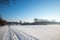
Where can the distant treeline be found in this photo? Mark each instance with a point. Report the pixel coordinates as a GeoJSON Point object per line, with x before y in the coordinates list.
{"type": "Point", "coordinates": [2, 22]}
{"type": "Point", "coordinates": [40, 23]}
{"type": "Point", "coordinates": [33, 23]}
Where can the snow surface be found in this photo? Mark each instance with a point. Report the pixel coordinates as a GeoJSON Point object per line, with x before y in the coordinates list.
{"type": "Point", "coordinates": [2, 31]}
{"type": "Point", "coordinates": [42, 32]}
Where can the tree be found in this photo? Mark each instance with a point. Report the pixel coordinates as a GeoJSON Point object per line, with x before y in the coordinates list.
{"type": "Point", "coordinates": [4, 3]}
{"type": "Point", "coordinates": [2, 22]}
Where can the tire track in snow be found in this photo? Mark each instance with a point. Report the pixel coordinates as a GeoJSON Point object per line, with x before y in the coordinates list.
{"type": "Point", "coordinates": [23, 36]}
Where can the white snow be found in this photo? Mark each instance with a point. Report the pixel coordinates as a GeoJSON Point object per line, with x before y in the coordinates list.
{"type": "Point", "coordinates": [2, 32]}
{"type": "Point", "coordinates": [42, 32]}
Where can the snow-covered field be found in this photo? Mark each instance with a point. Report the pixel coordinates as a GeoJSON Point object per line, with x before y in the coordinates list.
{"type": "Point", "coordinates": [42, 32]}
{"type": "Point", "coordinates": [2, 31]}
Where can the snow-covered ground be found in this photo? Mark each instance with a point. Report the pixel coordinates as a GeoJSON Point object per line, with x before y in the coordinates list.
{"type": "Point", "coordinates": [2, 31]}
{"type": "Point", "coordinates": [42, 32]}
{"type": "Point", "coordinates": [9, 34]}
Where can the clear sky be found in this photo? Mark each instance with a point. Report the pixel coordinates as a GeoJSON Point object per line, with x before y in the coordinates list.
{"type": "Point", "coordinates": [27, 10]}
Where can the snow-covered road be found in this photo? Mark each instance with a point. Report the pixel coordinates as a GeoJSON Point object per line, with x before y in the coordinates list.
{"type": "Point", "coordinates": [2, 31]}
{"type": "Point", "coordinates": [13, 34]}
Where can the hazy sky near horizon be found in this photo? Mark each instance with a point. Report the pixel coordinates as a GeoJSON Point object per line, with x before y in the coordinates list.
{"type": "Point", "coordinates": [27, 10]}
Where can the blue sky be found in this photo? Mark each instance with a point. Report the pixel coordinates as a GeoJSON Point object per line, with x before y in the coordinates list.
{"type": "Point", "coordinates": [27, 10]}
